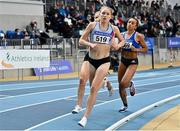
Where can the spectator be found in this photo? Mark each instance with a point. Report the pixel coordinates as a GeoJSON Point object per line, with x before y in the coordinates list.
{"type": "Point", "coordinates": [62, 11]}
{"type": "Point", "coordinates": [176, 7]}
{"type": "Point", "coordinates": [66, 30]}
{"type": "Point", "coordinates": [26, 35]}
{"type": "Point", "coordinates": [57, 21]}
{"type": "Point", "coordinates": [10, 34]}
{"type": "Point", "coordinates": [98, 4]}
{"type": "Point", "coordinates": [154, 12]}
{"type": "Point", "coordinates": [47, 23]}
{"type": "Point", "coordinates": [18, 34]}
{"type": "Point", "coordinates": [2, 35]}
{"type": "Point", "coordinates": [33, 30]}
{"type": "Point", "coordinates": [177, 33]}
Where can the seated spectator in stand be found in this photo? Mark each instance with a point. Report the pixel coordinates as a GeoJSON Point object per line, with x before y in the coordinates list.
{"type": "Point", "coordinates": [10, 34]}
{"type": "Point", "coordinates": [26, 35]}
{"type": "Point", "coordinates": [176, 7]}
{"type": "Point", "coordinates": [18, 34]}
{"type": "Point", "coordinates": [35, 33]}
{"type": "Point", "coordinates": [3, 42]}
{"type": "Point", "coordinates": [47, 23]}
{"type": "Point", "coordinates": [2, 35]}
{"type": "Point", "coordinates": [33, 30]}
{"type": "Point", "coordinates": [98, 4]}
{"type": "Point", "coordinates": [56, 22]}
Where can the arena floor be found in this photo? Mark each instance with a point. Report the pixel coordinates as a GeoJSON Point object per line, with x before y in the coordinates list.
{"type": "Point", "coordinates": [47, 105]}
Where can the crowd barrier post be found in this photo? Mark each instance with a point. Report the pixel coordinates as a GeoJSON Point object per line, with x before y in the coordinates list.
{"type": "Point", "coordinates": [3, 74]}
{"type": "Point", "coordinates": [64, 49]}
{"type": "Point", "coordinates": [18, 74]}
{"type": "Point", "coordinates": [42, 73]}
{"type": "Point", "coordinates": [171, 58]}
{"type": "Point", "coordinates": [152, 58]}
{"type": "Point", "coordinates": [22, 74]}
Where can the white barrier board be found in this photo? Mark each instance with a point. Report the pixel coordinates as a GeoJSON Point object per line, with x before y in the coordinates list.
{"type": "Point", "coordinates": [18, 59]}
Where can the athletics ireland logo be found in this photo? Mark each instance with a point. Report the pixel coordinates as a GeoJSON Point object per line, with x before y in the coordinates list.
{"type": "Point", "coordinates": [6, 64]}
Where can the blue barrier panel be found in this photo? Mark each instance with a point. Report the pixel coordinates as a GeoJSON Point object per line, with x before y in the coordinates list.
{"type": "Point", "coordinates": [150, 43]}
{"type": "Point", "coordinates": [56, 67]}
{"type": "Point", "coordinates": [173, 42]}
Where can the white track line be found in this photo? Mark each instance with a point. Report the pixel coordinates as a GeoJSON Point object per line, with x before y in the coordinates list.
{"type": "Point", "coordinates": [36, 93]}
{"type": "Point", "coordinates": [61, 83]}
{"type": "Point", "coordinates": [19, 107]}
{"type": "Point", "coordinates": [29, 94]}
{"type": "Point", "coordinates": [123, 121]}
{"type": "Point", "coordinates": [4, 96]}
{"type": "Point", "coordinates": [31, 128]}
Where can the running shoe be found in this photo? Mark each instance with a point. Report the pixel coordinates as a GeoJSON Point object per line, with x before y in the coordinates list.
{"type": "Point", "coordinates": [123, 109]}
{"type": "Point", "coordinates": [132, 89]}
{"type": "Point", "coordinates": [83, 122]}
{"type": "Point", "coordinates": [105, 82]}
{"type": "Point", "coordinates": [110, 89]}
{"type": "Point", "coordinates": [76, 109]}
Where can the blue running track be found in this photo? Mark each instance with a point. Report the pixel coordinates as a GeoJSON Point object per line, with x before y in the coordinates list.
{"type": "Point", "coordinates": [47, 105]}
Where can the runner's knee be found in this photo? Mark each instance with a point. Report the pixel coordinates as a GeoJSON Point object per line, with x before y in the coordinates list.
{"type": "Point", "coordinates": [82, 81]}
{"type": "Point", "coordinates": [93, 90]}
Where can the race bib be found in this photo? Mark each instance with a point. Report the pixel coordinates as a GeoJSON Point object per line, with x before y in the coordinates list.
{"type": "Point", "coordinates": [101, 39]}
{"type": "Point", "coordinates": [127, 45]}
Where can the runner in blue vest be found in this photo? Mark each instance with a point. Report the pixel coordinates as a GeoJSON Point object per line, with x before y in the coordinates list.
{"type": "Point", "coordinates": [134, 43]}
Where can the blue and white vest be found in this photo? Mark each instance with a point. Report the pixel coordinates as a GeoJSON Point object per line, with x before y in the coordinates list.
{"type": "Point", "coordinates": [101, 37]}
{"type": "Point", "coordinates": [130, 41]}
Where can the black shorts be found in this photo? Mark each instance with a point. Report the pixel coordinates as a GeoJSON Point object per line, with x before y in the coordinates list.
{"type": "Point", "coordinates": [97, 63]}
{"type": "Point", "coordinates": [86, 58]}
{"type": "Point", "coordinates": [128, 62]}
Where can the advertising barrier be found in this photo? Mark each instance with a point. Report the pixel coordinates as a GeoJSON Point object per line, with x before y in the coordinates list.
{"type": "Point", "coordinates": [20, 59]}
{"type": "Point", "coordinates": [150, 43]}
{"type": "Point", "coordinates": [56, 67]}
{"type": "Point", "coordinates": [174, 42]}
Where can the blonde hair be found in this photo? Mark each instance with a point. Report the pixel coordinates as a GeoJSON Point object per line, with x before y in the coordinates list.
{"type": "Point", "coordinates": [109, 8]}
